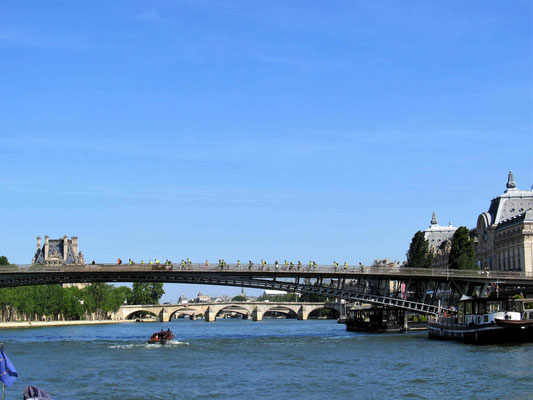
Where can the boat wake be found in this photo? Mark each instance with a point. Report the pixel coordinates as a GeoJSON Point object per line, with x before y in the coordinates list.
{"type": "Point", "coordinates": [171, 343]}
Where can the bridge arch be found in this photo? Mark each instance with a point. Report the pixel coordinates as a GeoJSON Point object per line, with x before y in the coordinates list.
{"type": "Point", "coordinates": [330, 312]}
{"type": "Point", "coordinates": [140, 313]}
{"type": "Point", "coordinates": [193, 311]}
{"type": "Point", "coordinates": [237, 308]}
{"type": "Point", "coordinates": [290, 312]}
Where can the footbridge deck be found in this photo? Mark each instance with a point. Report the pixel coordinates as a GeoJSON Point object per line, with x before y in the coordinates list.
{"type": "Point", "coordinates": [352, 283]}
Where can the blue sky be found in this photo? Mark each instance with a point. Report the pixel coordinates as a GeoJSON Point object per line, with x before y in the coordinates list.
{"type": "Point", "coordinates": [276, 130]}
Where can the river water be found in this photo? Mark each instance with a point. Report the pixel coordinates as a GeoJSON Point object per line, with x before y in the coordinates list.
{"type": "Point", "coordinates": [271, 359]}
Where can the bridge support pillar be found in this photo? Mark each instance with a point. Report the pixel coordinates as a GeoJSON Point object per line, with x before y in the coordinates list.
{"type": "Point", "coordinates": [302, 314]}
{"type": "Point", "coordinates": [163, 316]}
{"type": "Point", "coordinates": [210, 315]}
{"type": "Point", "coordinates": [257, 315]}
{"type": "Point", "coordinates": [192, 317]}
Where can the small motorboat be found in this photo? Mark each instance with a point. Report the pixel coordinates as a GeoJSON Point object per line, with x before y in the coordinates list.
{"type": "Point", "coordinates": [161, 337]}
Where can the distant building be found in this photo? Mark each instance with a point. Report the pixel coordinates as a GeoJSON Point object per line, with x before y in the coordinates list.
{"type": "Point", "coordinates": [384, 263]}
{"type": "Point", "coordinates": [504, 234]}
{"type": "Point", "coordinates": [202, 298]}
{"type": "Point", "coordinates": [440, 241]}
{"type": "Point", "coordinates": [268, 293]}
{"type": "Point", "coordinates": [182, 299]}
{"type": "Point", "coordinates": [58, 251]}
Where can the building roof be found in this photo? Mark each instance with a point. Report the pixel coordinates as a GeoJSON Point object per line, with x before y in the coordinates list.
{"type": "Point", "coordinates": [274, 292]}
{"type": "Point", "coordinates": [512, 203]}
{"type": "Point", "coordinates": [436, 234]}
{"type": "Point", "coordinates": [56, 250]}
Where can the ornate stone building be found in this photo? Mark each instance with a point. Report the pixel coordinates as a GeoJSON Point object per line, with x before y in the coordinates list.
{"type": "Point", "coordinates": [58, 251]}
{"type": "Point", "coordinates": [504, 234]}
{"type": "Point", "coordinates": [440, 241]}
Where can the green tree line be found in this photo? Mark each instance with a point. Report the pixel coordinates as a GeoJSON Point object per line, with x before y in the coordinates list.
{"type": "Point", "coordinates": [54, 302]}
{"type": "Point", "coordinates": [462, 254]}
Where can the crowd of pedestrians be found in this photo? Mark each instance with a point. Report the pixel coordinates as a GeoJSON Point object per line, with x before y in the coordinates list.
{"type": "Point", "coordinates": [186, 264]}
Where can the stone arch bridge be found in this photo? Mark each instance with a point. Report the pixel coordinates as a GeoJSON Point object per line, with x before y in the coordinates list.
{"type": "Point", "coordinates": [166, 312]}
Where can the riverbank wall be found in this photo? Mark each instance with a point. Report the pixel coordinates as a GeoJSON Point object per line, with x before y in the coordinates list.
{"type": "Point", "coordinates": [39, 324]}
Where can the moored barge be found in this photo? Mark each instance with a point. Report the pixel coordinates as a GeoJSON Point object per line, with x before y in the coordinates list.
{"type": "Point", "coordinates": [378, 319]}
{"type": "Point", "coordinates": [486, 320]}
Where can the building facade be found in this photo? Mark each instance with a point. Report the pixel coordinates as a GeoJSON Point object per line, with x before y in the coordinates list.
{"type": "Point", "coordinates": [504, 234]}
{"type": "Point", "coordinates": [58, 251]}
{"type": "Point", "coordinates": [440, 241]}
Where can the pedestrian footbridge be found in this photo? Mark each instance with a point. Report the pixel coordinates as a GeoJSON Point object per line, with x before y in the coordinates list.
{"type": "Point", "coordinates": [418, 290]}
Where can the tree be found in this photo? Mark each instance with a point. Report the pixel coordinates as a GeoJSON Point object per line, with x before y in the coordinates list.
{"type": "Point", "coordinates": [462, 253]}
{"type": "Point", "coordinates": [3, 260]}
{"type": "Point", "coordinates": [146, 293]}
{"type": "Point", "coordinates": [239, 298]}
{"type": "Point", "coordinates": [419, 255]}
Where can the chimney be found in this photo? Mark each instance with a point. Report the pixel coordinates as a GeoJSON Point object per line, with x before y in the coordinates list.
{"type": "Point", "coordinates": [46, 246]}
{"type": "Point", "coordinates": [38, 243]}
{"type": "Point", "coordinates": [65, 247]}
{"type": "Point", "coordinates": [75, 245]}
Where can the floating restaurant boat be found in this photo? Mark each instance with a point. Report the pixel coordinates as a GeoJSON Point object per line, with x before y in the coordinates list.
{"type": "Point", "coordinates": [161, 337]}
{"type": "Point", "coordinates": [486, 320]}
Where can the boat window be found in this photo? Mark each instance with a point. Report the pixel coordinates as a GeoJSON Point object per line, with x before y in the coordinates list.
{"type": "Point", "coordinates": [468, 308]}
{"type": "Point", "coordinates": [486, 318]}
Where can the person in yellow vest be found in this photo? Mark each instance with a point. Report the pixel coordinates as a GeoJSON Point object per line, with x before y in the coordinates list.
{"type": "Point", "coordinates": [151, 262]}
{"type": "Point", "coordinates": [142, 262]}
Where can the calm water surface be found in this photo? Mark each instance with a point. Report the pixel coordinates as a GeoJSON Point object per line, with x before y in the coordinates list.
{"type": "Point", "coordinates": [243, 359]}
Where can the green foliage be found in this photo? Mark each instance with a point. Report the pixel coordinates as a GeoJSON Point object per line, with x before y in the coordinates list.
{"type": "Point", "coordinates": [462, 254]}
{"type": "Point", "coordinates": [419, 255]}
{"type": "Point", "coordinates": [146, 293]}
{"type": "Point", "coordinates": [312, 298]}
{"type": "Point", "coordinates": [239, 298]}
{"type": "Point", "coordinates": [418, 318]}
{"type": "Point", "coordinates": [57, 302]}
{"type": "Point", "coordinates": [3, 260]}
{"type": "Point", "coordinates": [279, 298]}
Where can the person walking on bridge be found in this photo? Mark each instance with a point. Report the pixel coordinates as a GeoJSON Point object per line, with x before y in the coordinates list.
{"type": "Point", "coordinates": [119, 261]}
